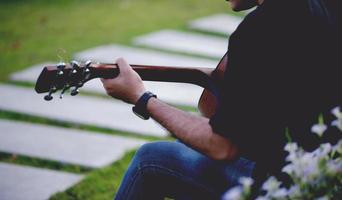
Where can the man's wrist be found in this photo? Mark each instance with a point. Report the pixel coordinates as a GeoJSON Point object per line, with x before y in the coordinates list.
{"type": "Point", "coordinates": [140, 107]}
{"type": "Point", "coordinates": [137, 96]}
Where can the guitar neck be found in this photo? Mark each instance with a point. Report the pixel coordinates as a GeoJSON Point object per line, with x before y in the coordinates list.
{"type": "Point", "coordinates": [53, 78]}
{"type": "Point", "coordinates": [193, 75]}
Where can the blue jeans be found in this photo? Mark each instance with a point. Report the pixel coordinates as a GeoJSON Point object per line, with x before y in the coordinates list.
{"type": "Point", "coordinates": [171, 169]}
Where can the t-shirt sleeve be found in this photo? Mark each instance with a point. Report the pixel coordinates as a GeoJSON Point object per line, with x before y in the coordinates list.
{"type": "Point", "coordinates": [218, 123]}
{"type": "Point", "coordinates": [253, 124]}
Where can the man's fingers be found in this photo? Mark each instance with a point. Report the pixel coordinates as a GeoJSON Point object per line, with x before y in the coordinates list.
{"type": "Point", "coordinates": [124, 67]}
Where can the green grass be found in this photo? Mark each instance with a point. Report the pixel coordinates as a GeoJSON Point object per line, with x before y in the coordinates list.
{"type": "Point", "coordinates": [41, 163]}
{"type": "Point", "coordinates": [98, 185]}
{"type": "Point", "coordinates": [40, 120]}
{"type": "Point", "coordinates": [41, 30]}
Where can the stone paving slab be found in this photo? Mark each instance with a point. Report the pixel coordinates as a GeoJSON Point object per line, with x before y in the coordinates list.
{"type": "Point", "coordinates": [219, 23]}
{"type": "Point", "coordinates": [109, 53]}
{"type": "Point", "coordinates": [83, 148]}
{"type": "Point", "coordinates": [174, 93]}
{"type": "Point", "coordinates": [30, 74]}
{"type": "Point", "coordinates": [107, 113]}
{"type": "Point", "coordinates": [28, 183]}
{"type": "Point", "coordinates": [246, 12]}
{"type": "Point", "coordinates": [190, 43]}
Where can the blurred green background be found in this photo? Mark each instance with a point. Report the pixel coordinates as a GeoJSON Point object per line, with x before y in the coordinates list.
{"type": "Point", "coordinates": [35, 31]}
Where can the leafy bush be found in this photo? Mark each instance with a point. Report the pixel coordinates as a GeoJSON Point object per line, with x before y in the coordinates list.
{"type": "Point", "coordinates": [315, 175]}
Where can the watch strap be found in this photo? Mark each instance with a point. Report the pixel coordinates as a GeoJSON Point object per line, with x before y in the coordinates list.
{"type": "Point", "coordinates": [140, 108]}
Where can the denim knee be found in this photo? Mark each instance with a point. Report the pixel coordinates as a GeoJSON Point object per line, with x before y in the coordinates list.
{"type": "Point", "coordinates": [148, 151]}
{"type": "Point", "coordinates": [175, 156]}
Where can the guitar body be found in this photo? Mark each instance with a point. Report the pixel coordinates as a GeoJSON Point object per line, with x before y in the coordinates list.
{"type": "Point", "coordinates": [208, 101]}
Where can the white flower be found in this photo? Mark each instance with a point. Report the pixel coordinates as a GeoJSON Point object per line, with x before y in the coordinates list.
{"type": "Point", "coordinates": [294, 152]}
{"type": "Point", "coordinates": [289, 169]}
{"type": "Point", "coordinates": [233, 194]}
{"type": "Point", "coordinates": [337, 123]}
{"type": "Point", "coordinates": [325, 149]}
{"type": "Point", "coordinates": [292, 157]}
{"type": "Point", "coordinates": [246, 182]}
{"type": "Point", "coordinates": [307, 169]}
{"type": "Point", "coordinates": [294, 192]}
{"type": "Point", "coordinates": [291, 147]}
{"type": "Point", "coordinates": [334, 167]}
{"type": "Point", "coordinates": [337, 112]}
{"type": "Point", "coordinates": [322, 151]}
{"type": "Point", "coordinates": [271, 184]}
{"type": "Point", "coordinates": [280, 193]}
{"type": "Point", "coordinates": [319, 129]}
{"type": "Point", "coordinates": [305, 165]}
{"type": "Point", "coordinates": [310, 172]}
{"type": "Point", "coordinates": [337, 147]}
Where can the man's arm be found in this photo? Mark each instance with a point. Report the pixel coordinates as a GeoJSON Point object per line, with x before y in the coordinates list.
{"type": "Point", "coordinates": [193, 130]}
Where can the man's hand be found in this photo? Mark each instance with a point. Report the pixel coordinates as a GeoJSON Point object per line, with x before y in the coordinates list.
{"type": "Point", "coordinates": [191, 129]}
{"type": "Point", "coordinates": [127, 87]}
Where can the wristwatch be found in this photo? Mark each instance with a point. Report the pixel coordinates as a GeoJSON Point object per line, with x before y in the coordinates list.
{"type": "Point", "coordinates": [140, 107]}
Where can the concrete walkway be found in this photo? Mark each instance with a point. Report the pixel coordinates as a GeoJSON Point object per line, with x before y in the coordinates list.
{"type": "Point", "coordinates": [106, 113]}
{"type": "Point", "coordinates": [29, 183]}
{"type": "Point", "coordinates": [88, 149]}
{"type": "Point", "coordinates": [185, 42]}
{"type": "Point", "coordinates": [220, 23]}
{"type": "Point", "coordinates": [109, 53]}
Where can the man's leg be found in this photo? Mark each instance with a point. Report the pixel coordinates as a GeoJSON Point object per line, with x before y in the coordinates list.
{"type": "Point", "coordinates": [171, 169]}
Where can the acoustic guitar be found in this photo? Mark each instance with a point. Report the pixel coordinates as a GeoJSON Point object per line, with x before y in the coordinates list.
{"type": "Point", "coordinates": [74, 75]}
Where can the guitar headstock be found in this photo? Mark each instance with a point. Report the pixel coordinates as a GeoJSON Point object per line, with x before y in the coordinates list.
{"type": "Point", "coordinates": [70, 76]}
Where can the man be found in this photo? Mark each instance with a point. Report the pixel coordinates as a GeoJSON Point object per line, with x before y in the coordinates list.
{"type": "Point", "coordinates": [278, 79]}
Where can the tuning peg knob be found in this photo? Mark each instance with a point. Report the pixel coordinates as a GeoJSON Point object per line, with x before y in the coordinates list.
{"type": "Point", "coordinates": [87, 63]}
{"type": "Point", "coordinates": [63, 91]}
{"type": "Point", "coordinates": [48, 97]}
{"type": "Point", "coordinates": [75, 64]}
{"type": "Point", "coordinates": [86, 70]}
{"type": "Point", "coordinates": [74, 92]}
{"type": "Point", "coordinates": [60, 67]}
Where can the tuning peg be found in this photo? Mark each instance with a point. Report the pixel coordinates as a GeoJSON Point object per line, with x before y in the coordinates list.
{"type": "Point", "coordinates": [49, 96]}
{"type": "Point", "coordinates": [74, 92]}
{"type": "Point", "coordinates": [60, 67]}
{"type": "Point", "coordinates": [63, 91]}
{"type": "Point", "coordinates": [75, 66]}
{"type": "Point", "coordinates": [87, 63]}
{"type": "Point", "coordinates": [86, 67]}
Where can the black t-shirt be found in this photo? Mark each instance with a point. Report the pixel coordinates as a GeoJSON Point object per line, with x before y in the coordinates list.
{"type": "Point", "coordinates": [282, 73]}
